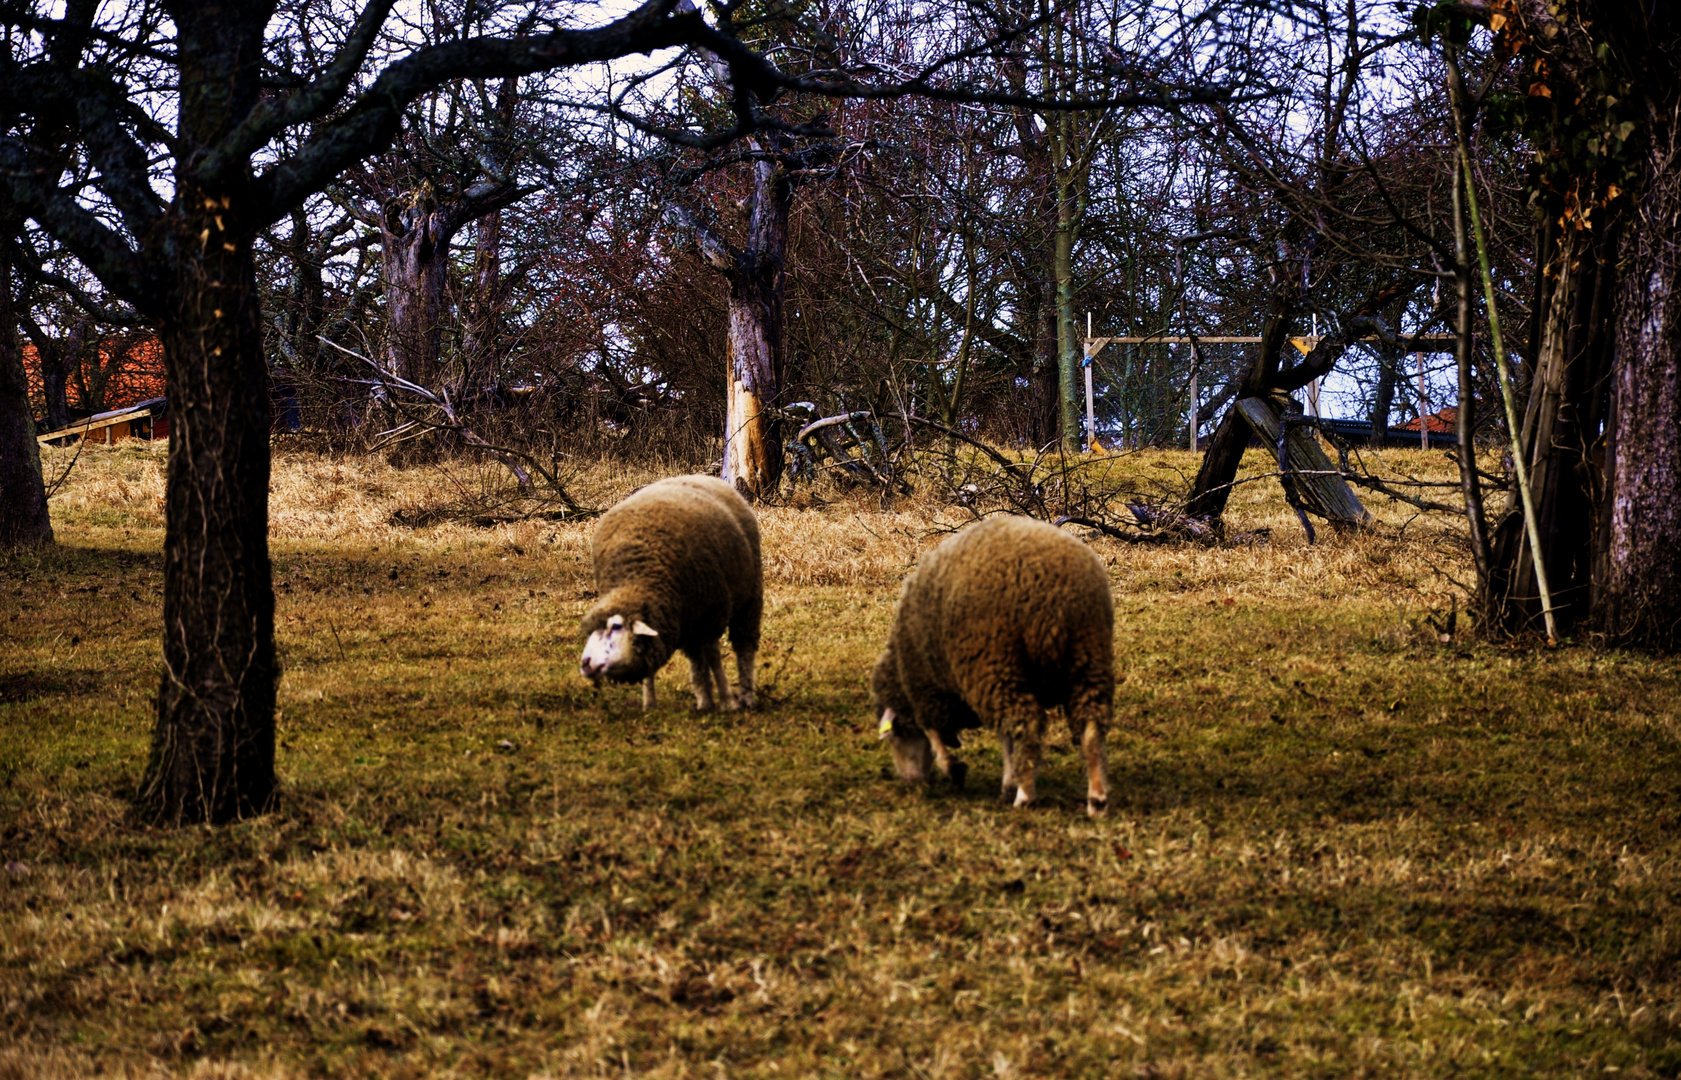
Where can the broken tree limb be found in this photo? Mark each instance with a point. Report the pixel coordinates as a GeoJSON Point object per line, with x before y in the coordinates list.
{"type": "Point", "coordinates": [1317, 483]}
{"type": "Point", "coordinates": [1116, 533]}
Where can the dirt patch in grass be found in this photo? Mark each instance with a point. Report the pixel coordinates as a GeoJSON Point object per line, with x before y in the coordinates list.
{"type": "Point", "coordinates": [1337, 846]}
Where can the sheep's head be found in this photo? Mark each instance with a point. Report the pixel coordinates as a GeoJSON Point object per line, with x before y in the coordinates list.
{"type": "Point", "coordinates": [913, 756]}
{"type": "Point", "coordinates": [622, 649]}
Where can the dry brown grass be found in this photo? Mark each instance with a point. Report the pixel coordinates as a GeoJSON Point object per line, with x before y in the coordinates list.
{"type": "Point", "coordinates": [1338, 847]}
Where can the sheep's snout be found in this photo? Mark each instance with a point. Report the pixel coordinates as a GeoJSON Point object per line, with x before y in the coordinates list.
{"type": "Point", "coordinates": [610, 651]}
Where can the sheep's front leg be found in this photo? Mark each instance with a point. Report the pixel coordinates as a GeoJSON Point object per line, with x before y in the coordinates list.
{"type": "Point", "coordinates": [746, 688]}
{"type": "Point", "coordinates": [700, 677]}
{"type": "Point", "coordinates": [950, 767]}
{"type": "Point", "coordinates": [715, 661]}
{"type": "Point", "coordinates": [934, 716]}
{"type": "Point", "coordinates": [1020, 731]}
{"type": "Point", "coordinates": [647, 693]}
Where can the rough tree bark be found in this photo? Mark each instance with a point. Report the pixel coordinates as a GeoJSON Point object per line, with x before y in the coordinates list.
{"type": "Point", "coordinates": [416, 228]}
{"type": "Point", "coordinates": [1603, 85]}
{"type": "Point", "coordinates": [213, 747]}
{"type": "Point", "coordinates": [24, 521]}
{"type": "Point", "coordinates": [753, 447]}
{"type": "Point", "coordinates": [756, 277]}
{"type": "Point", "coordinates": [1640, 595]}
{"type": "Point", "coordinates": [1561, 437]}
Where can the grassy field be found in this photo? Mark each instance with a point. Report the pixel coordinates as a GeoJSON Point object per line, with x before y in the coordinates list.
{"type": "Point", "coordinates": [1337, 845]}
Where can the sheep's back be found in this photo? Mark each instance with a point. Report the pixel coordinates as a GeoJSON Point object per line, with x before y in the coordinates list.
{"type": "Point", "coordinates": [1010, 600]}
{"type": "Point", "coordinates": [692, 540]}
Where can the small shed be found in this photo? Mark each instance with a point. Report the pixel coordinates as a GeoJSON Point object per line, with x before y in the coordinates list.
{"type": "Point", "coordinates": [144, 420]}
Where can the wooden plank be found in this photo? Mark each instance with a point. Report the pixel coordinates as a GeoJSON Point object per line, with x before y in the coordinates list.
{"type": "Point", "coordinates": [93, 425]}
{"type": "Point", "coordinates": [1097, 345]}
{"type": "Point", "coordinates": [1318, 484]}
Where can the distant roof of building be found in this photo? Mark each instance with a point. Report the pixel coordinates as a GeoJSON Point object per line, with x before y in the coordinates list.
{"type": "Point", "coordinates": [1442, 420]}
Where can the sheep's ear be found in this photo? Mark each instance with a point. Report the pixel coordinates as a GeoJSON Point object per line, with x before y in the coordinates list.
{"type": "Point", "coordinates": [643, 629]}
{"type": "Point", "coordinates": [886, 727]}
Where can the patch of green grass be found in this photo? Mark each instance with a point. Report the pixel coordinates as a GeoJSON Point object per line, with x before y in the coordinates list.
{"type": "Point", "coordinates": [1336, 846]}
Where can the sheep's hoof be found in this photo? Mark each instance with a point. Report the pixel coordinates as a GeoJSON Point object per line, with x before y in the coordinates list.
{"type": "Point", "coordinates": [747, 699]}
{"type": "Point", "coordinates": [958, 774]}
{"type": "Point", "coordinates": [1097, 807]}
{"type": "Point", "coordinates": [1009, 794]}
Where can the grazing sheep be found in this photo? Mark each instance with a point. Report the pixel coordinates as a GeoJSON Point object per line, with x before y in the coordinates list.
{"type": "Point", "coordinates": [997, 624]}
{"type": "Point", "coordinates": [676, 564]}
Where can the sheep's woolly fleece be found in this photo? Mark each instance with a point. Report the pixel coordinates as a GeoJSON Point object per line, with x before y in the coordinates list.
{"type": "Point", "coordinates": [681, 555]}
{"type": "Point", "coordinates": [1007, 618]}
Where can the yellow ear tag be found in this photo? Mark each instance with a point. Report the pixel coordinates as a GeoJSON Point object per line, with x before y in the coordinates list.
{"type": "Point", "coordinates": [886, 727]}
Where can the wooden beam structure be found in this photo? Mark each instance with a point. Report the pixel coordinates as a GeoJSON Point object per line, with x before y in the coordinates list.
{"type": "Point", "coordinates": [1095, 345]}
{"type": "Point", "coordinates": [107, 423]}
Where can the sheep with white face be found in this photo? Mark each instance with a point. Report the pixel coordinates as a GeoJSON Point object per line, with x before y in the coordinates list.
{"type": "Point", "coordinates": [677, 564]}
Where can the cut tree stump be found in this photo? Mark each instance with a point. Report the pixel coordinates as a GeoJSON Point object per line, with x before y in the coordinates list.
{"type": "Point", "coordinates": [1309, 476]}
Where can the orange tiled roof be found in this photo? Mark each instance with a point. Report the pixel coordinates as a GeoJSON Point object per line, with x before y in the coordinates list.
{"type": "Point", "coordinates": [1442, 421]}
{"type": "Point", "coordinates": [138, 376]}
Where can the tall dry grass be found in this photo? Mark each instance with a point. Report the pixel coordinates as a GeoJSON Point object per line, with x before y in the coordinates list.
{"type": "Point", "coordinates": [821, 536]}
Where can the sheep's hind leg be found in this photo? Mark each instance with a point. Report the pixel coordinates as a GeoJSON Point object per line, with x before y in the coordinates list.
{"type": "Point", "coordinates": [1087, 721]}
{"type": "Point", "coordinates": [700, 677]}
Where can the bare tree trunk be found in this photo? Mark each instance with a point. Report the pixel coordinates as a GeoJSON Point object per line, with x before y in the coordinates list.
{"type": "Point", "coordinates": [1067, 332]}
{"type": "Point", "coordinates": [752, 446]}
{"type": "Point", "coordinates": [481, 323]}
{"type": "Point", "coordinates": [414, 264]}
{"type": "Point", "coordinates": [1383, 398]}
{"type": "Point", "coordinates": [307, 304]}
{"type": "Point", "coordinates": [1470, 485]}
{"type": "Point", "coordinates": [1640, 596]}
{"type": "Point", "coordinates": [1044, 397]}
{"type": "Point", "coordinates": [212, 753]}
{"type": "Point", "coordinates": [56, 358]}
{"type": "Point", "coordinates": [1267, 376]}
{"type": "Point", "coordinates": [24, 521]}
{"type": "Point", "coordinates": [416, 228]}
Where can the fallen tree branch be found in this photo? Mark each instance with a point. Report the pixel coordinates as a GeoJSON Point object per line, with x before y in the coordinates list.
{"type": "Point", "coordinates": [1116, 533]}
{"type": "Point", "coordinates": [1372, 483]}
